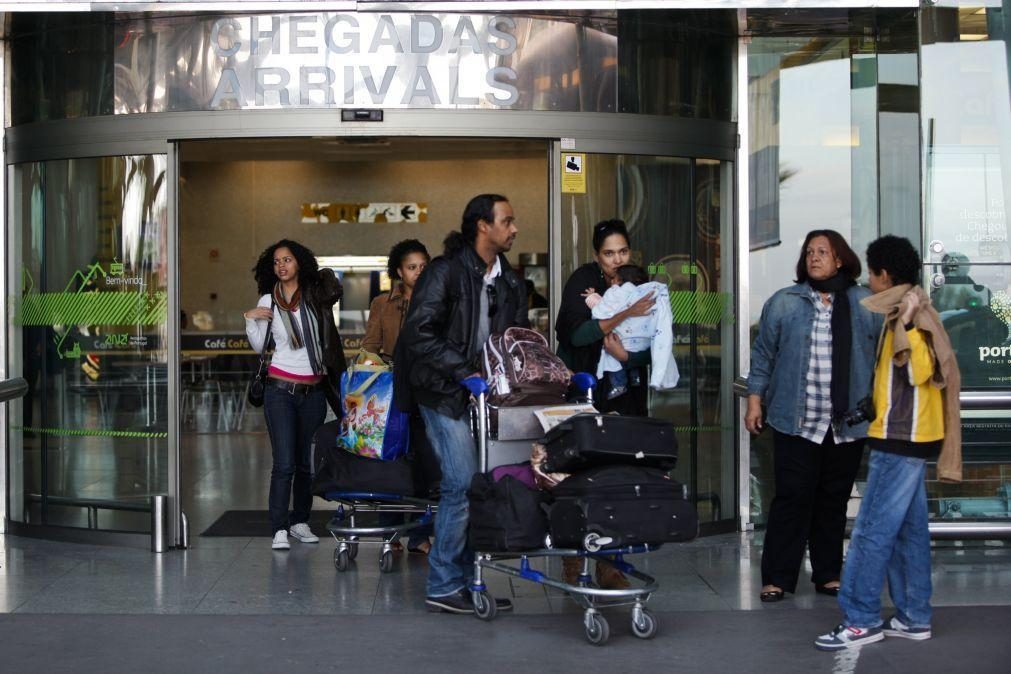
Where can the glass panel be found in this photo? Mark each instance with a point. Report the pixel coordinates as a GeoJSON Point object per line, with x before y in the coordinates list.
{"type": "Point", "coordinates": [87, 261]}
{"type": "Point", "coordinates": [975, 304]}
{"type": "Point", "coordinates": [967, 131]}
{"type": "Point", "coordinates": [677, 64]}
{"type": "Point", "coordinates": [676, 211]}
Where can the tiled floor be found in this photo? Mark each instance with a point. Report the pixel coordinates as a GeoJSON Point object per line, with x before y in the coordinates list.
{"type": "Point", "coordinates": [244, 576]}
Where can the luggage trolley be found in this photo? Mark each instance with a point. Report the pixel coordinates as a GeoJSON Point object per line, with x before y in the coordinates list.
{"type": "Point", "coordinates": [504, 448]}
{"type": "Point", "coordinates": [348, 535]}
{"type": "Point", "coordinates": [346, 529]}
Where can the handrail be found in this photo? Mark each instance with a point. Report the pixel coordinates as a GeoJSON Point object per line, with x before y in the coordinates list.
{"type": "Point", "coordinates": [12, 388]}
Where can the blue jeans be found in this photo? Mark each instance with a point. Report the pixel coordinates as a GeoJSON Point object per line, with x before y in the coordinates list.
{"type": "Point", "coordinates": [291, 422]}
{"type": "Point", "coordinates": [890, 538]}
{"type": "Point", "coordinates": [450, 563]}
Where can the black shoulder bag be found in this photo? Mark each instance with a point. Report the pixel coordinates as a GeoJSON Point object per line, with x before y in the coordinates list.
{"type": "Point", "coordinates": [254, 394]}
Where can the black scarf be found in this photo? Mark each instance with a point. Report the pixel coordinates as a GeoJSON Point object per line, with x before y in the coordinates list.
{"type": "Point", "coordinates": [842, 339]}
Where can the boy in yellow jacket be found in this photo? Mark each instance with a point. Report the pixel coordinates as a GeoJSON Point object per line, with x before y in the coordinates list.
{"type": "Point", "coordinates": [915, 419]}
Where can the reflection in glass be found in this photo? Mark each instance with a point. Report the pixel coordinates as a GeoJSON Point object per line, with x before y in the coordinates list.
{"type": "Point", "coordinates": [677, 214]}
{"type": "Point", "coordinates": [88, 262]}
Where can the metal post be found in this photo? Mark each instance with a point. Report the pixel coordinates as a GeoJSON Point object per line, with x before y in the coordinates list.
{"type": "Point", "coordinates": [158, 532]}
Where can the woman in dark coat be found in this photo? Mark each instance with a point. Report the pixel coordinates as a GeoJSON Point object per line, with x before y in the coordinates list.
{"type": "Point", "coordinates": [580, 336]}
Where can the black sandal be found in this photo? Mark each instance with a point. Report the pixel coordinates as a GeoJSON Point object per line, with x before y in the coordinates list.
{"type": "Point", "coordinates": [771, 596]}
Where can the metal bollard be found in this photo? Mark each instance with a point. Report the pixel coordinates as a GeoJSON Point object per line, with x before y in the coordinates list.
{"type": "Point", "coordinates": [159, 532]}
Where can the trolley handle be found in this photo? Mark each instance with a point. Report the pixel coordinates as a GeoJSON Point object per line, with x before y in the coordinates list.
{"type": "Point", "coordinates": [478, 388]}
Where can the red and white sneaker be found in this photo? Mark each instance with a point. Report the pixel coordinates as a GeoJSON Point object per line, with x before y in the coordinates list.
{"type": "Point", "coordinates": [843, 637]}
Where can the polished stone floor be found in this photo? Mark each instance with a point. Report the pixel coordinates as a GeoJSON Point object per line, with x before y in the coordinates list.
{"type": "Point", "coordinates": [232, 604]}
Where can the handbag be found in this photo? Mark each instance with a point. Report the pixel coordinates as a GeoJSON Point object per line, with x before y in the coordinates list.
{"type": "Point", "coordinates": [254, 393]}
{"type": "Point", "coordinates": [371, 424]}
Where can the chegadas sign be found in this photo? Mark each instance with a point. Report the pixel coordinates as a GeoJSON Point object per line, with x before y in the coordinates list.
{"type": "Point", "coordinates": [387, 60]}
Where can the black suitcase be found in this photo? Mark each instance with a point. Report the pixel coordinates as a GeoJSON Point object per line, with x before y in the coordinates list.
{"type": "Point", "coordinates": [336, 469]}
{"type": "Point", "coordinates": [627, 504]}
{"type": "Point", "coordinates": [586, 440]}
{"type": "Point", "coordinates": [505, 515]}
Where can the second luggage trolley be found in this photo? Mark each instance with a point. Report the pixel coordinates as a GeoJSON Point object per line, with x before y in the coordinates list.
{"type": "Point", "coordinates": [349, 534]}
{"type": "Point", "coordinates": [355, 497]}
{"type": "Point", "coordinates": [516, 429]}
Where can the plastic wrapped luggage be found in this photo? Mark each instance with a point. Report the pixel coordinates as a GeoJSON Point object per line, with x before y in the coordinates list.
{"type": "Point", "coordinates": [336, 469]}
{"type": "Point", "coordinates": [505, 515]}
{"type": "Point", "coordinates": [587, 440]}
{"type": "Point", "coordinates": [621, 506]}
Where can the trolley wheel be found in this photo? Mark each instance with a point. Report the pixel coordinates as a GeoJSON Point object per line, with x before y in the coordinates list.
{"type": "Point", "coordinates": [646, 626]}
{"type": "Point", "coordinates": [386, 562]}
{"type": "Point", "coordinates": [352, 550]}
{"type": "Point", "coordinates": [341, 560]}
{"type": "Point", "coordinates": [597, 629]}
{"type": "Point", "coordinates": [484, 605]}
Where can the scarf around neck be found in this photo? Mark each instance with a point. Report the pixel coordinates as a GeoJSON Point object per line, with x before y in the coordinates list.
{"type": "Point", "coordinates": [842, 338]}
{"type": "Point", "coordinates": [309, 326]}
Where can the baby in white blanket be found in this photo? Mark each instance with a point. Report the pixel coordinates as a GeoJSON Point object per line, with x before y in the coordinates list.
{"type": "Point", "coordinates": [640, 333]}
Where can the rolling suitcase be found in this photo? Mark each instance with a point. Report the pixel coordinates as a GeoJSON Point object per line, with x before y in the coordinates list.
{"type": "Point", "coordinates": [587, 440]}
{"type": "Point", "coordinates": [620, 506]}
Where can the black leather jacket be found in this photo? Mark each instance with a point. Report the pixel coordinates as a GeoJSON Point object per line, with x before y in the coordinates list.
{"type": "Point", "coordinates": [438, 346]}
{"type": "Point", "coordinates": [321, 297]}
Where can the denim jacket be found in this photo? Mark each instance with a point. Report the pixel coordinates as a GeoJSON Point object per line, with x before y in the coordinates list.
{"type": "Point", "coordinates": [782, 352]}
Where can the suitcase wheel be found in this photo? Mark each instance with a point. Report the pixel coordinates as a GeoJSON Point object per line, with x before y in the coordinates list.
{"type": "Point", "coordinates": [597, 629]}
{"type": "Point", "coordinates": [644, 623]}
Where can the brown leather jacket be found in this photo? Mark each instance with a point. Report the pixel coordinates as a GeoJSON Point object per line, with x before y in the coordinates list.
{"type": "Point", "coordinates": [386, 317]}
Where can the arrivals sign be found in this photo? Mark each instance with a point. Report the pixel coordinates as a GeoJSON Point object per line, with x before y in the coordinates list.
{"type": "Point", "coordinates": [384, 60]}
{"type": "Point", "coordinates": [344, 60]}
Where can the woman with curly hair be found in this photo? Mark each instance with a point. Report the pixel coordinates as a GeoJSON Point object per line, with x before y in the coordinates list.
{"type": "Point", "coordinates": [295, 312]}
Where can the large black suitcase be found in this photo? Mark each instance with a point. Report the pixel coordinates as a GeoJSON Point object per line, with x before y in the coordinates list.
{"type": "Point", "coordinates": [505, 515]}
{"type": "Point", "coordinates": [586, 440]}
{"type": "Point", "coordinates": [627, 504]}
{"type": "Point", "coordinates": [336, 469]}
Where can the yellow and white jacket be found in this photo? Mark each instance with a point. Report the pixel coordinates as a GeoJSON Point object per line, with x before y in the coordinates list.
{"type": "Point", "coordinates": [908, 406]}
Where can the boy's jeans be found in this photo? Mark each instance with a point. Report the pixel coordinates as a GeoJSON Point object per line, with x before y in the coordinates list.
{"type": "Point", "coordinates": [890, 537]}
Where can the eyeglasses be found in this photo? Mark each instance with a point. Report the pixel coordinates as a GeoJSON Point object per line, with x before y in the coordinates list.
{"type": "Point", "coordinates": [492, 301]}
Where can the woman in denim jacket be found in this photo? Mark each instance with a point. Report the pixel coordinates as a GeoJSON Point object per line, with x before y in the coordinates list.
{"type": "Point", "coordinates": [811, 365]}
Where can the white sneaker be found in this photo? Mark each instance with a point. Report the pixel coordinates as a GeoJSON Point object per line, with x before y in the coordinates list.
{"type": "Point", "coordinates": [280, 541]}
{"type": "Point", "coordinates": [303, 534]}
{"type": "Point", "coordinates": [843, 637]}
{"type": "Point", "coordinates": [897, 628]}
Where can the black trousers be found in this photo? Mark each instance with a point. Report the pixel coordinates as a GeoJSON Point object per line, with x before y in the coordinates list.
{"type": "Point", "coordinates": [813, 485]}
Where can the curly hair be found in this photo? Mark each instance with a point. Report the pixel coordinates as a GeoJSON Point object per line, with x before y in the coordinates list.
{"type": "Point", "coordinates": [897, 256]}
{"type": "Point", "coordinates": [263, 271]}
{"type": "Point", "coordinates": [399, 252]}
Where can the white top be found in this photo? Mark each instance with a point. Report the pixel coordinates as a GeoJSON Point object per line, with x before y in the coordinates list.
{"type": "Point", "coordinates": [292, 361]}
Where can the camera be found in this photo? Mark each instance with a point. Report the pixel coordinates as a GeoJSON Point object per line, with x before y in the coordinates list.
{"type": "Point", "coordinates": [864, 411]}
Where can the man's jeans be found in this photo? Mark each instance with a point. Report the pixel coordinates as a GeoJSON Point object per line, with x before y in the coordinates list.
{"type": "Point", "coordinates": [291, 422]}
{"type": "Point", "coordinates": [890, 537]}
{"type": "Point", "coordinates": [450, 563]}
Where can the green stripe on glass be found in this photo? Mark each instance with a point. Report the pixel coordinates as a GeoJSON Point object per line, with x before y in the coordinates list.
{"type": "Point", "coordinates": [97, 432]}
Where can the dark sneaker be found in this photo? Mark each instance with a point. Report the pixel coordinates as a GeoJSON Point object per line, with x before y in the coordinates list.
{"type": "Point", "coordinates": [461, 602]}
{"type": "Point", "coordinates": [897, 628]}
{"type": "Point", "coordinates": [843, 637]}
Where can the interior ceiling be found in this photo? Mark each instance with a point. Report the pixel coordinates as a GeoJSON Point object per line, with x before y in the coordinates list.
{"type": "Point", "coordinates": [360, 149]}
